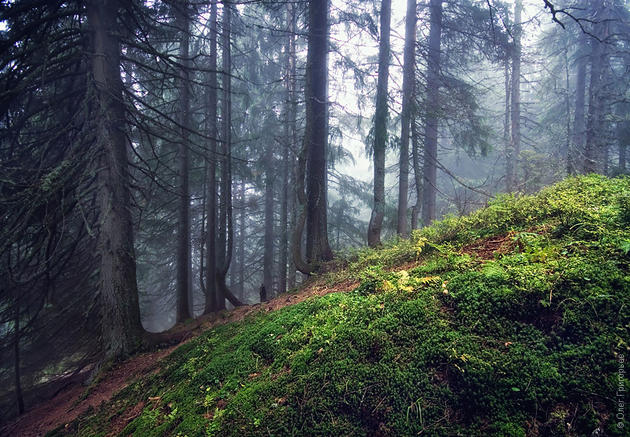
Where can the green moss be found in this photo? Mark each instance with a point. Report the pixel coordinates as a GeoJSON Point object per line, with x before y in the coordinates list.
{"type": "Point", "coordinates": [518, 345]}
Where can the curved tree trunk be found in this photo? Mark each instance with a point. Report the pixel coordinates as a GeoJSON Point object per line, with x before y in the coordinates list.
{"type": "Point", "coordinates": [227, 229]}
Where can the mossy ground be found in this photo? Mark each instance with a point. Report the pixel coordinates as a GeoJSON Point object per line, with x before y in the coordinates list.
{"type": "Point", "coordinates": [529, 342]}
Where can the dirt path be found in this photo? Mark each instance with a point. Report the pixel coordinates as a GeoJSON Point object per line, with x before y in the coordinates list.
{"type": "Point", "coordinates": [75, 399]}
{"type": "Point", "coordinates": [68, 404]}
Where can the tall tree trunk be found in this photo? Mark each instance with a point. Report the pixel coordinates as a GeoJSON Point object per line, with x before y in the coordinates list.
{"type": "Point", "coordinates": [226, 233]}
{"type": "Point", "coordinates": [292, 205]}
{"type": "Point", "coordinates": [623, 127]}
{"type": "Point", "coordinates": [241, 243]}
{"type": "Point", "coordinates": [284, 211]}
{"type": "Point", "coordinates": [417, 172]}
{"type": "Point", "coordinates": [222, 158]}
{"type": "Point", "coordinates": [509, 156]}
{"type": "Point", "coordinates": [202, 234]}
{"type": "Point", "coordinates": [515, 97]}
{"type": "Point", "coordinates": [606, 96]}
{"type": "Point", "coordinates": [339, 224]}
{"type": "Point", "coordinates": [429, 183]}
{"type": "Point", "coordinates": [269, 219]}
{"type": "Point", "coordinates": [316, 138]}
{"type": "Point", "coordinates": [211, 165]}
{"type": "Point", "coordinates": [623, 147]}
{"type": "Point", "coordinates": [623, 134]}
{"type": "Point", "coordinates": [566, 150]}
{"type": "Point", "coordinates": [594, 153]}
{"type": "Point", "coordinates": [19, 397]}
{"type": "Point", "coordinates": [407, 108]}
{"type": "Point", "coordinates": [593, 127]}
{"type": "Point", "coordinates": [579, 123]}
{"type": "Point", "coordinates": [300, 219]}
{"type": "Point", "coordinates": [120, 311]}
{"type": "Point", "coordinates": [184, 298]}
{"type": "Point", "coordinates": [380, 129]}
{"type": "Point", "coordinates": [225, 146]}
{"type": "Point", "coordinates": [284, 193]}
{"type": "Point", "coordinates": [293, 146]}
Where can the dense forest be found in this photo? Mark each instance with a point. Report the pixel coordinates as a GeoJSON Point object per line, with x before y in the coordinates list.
{"type": "Point", "coordinates": [165, 161]}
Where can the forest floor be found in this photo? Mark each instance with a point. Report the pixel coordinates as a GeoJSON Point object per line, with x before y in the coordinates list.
{"type": "Point", "coordinates": [77, 398]}
{"type": "Point", "coordinates": [511, 321]}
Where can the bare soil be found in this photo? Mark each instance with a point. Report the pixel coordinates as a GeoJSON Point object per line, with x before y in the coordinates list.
{"type": "Point", "coordinates": [489, 248]}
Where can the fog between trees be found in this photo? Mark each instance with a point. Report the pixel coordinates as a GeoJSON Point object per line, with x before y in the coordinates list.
{"type": "Point", "coordinates": [162, 160]}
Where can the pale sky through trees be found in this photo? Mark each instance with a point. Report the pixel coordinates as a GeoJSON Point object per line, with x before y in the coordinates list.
{"type": "Point", "coordinates": [362, 47]}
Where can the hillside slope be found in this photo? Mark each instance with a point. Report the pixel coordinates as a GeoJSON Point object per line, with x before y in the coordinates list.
{"type": "Point", "coordinates": [511, 321]}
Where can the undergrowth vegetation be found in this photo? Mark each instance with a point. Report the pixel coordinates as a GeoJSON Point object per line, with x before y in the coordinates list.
{"type": "Point", "coordinates": [442, 337]}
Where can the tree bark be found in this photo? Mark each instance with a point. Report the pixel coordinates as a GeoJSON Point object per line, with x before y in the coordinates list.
{"type": "Point", "coordinates": [202, 232]}
{"type": "Point", "coordinates": [316, 135]}
{"type": "Point", "coordinates": [380, 129]}
{"type": "Point", "coordinates": [579, 123]}
{"type": "Point", "coordinates": [593, 128]}
{"type": "Point", "coordinates": [429, 183]}
{"type": "Point", "coordinates": [291, 274]}
{"type": "Point", "coordinates": [623, 128]}
{"type": "Point", "coordinates": [622, 152]}
{"type": "Point", "coordinates": [19, 397]}
{"type": "Point", "coordinates": [417, 172]}
{"type": "Point", "coordinates": [184, 298]}
{"type": "Point", "coordinates": [284, 211]}
{"type": "Point", "coordinates": [120, 312]}
{"type": "Point", "coordinates": [594, 152]}
{"type": "Point", "coordinates": [515, 98]}
{"type": "Point", "coordinates": [269, 219]}
{"type": "Point", "coordinates": [211, 163]}
{"type": "Point", "coordinates": [407, 108]}
{"type": "Point", "coordinates": [225, 188]}
{"type": "Point", "coordinates": [241, 243]}
{"type": "Point", "coordinates": [566, 150]}
{"type": "Point", "coordinates": [509, 156]}
{"type": "Point", "coordinates": [226, 222]}
{"type": "Point", "coordinates": [623, 134]}
{"type": "Point", "coordinates": [292, 104]}
{"type": "Point", "coordinates": [300, 219]}
{"type": "Point", "coordinates": [287, 143]}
